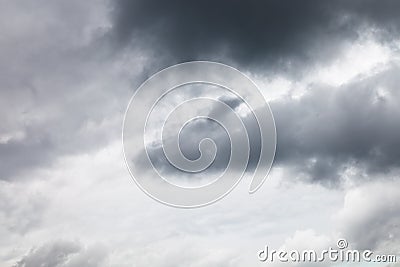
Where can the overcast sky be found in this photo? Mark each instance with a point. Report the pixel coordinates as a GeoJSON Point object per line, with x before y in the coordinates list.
{"type": "Point", "coordinates": [329, 69]}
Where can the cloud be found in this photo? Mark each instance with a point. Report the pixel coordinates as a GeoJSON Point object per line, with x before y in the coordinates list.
{"type": "Point", "coordinates": [326, 135]}
{"type": "Point", "coordinates": [63, 253]}
{"type": "Point", "coordinates": [21, 208]}
{"type": "Point", "coordinates": [370, 216]}
{"type": "Point", "coordinates": [329, 131]}
{"type": "Point", "coordinates": [59, 87]}
{"type": "Point", "coordinates": [68, 70]}
{"type": "Point", "coordinates": [168, 253]}
{"type": "Point", "coordinates": [277, 35]}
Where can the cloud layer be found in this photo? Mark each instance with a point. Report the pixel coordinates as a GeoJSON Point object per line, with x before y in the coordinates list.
{"type": "Point", "coordinates": [68, 69]}
{"type": "Point", "coordinates": [269, 34]}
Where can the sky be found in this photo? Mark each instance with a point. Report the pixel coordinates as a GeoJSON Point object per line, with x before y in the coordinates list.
{"type": "Point", "coordinates": [330, 71]}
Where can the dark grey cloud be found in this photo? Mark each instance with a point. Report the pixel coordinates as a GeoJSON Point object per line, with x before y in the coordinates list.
{"type": "Point", "coordinates": [66, 75]}
{"type": "Point", "coordinates": [56, 93]}
{"type": "Point", "coordinates": [197, 130]}
{"type": "Point", "coordinates": [329, 130]}
{"type": "Point", "coordinates": [286, 35]}
{"type": "Point", "coordinates": [321, 134]}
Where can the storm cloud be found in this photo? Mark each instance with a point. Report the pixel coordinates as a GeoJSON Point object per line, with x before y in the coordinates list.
{"type": "Point", "coordinates": [330, 70]}
{"type": "Point", "coordinates": [328, 131]}
{"type": "Point", "coordinates": [274, 35]}
{"type": "Point", "coordinates": [322, 135]}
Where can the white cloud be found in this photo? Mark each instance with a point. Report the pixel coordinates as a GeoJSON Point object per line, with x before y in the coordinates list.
{"type": "Point", "coordinates": [360, 59]}
{"type": "Point", "coordinates": [371, 215]}
{"type": "Point", "coordinates": [63, 253]}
